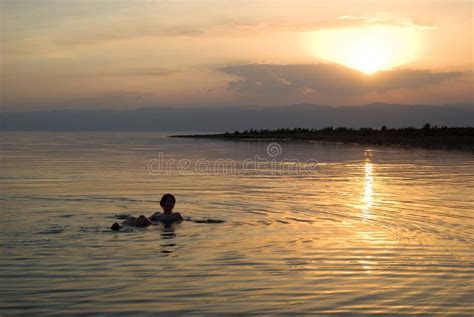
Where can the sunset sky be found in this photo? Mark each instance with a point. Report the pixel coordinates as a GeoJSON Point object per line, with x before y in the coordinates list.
{"type": "Point", "coordinates": [94, 54]}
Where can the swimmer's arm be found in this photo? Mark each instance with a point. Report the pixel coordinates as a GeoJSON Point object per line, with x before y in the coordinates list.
{"type": "Point", "coordinates": [155, 215]}
{"type": "Point", "coordinates": [130, 221]}
{"type": "Point", "coordinates": [178, 217]}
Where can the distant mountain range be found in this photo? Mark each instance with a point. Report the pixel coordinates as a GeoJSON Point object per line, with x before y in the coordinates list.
{"type": "Point", "coordinates": [229, 119]}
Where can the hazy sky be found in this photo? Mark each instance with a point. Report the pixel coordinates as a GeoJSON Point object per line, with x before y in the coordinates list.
{"type": "Point", "coordinates": [127, 54]}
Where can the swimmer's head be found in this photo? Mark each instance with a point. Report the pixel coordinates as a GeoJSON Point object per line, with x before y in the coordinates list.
{"type": "Point", "coordinates": [167, 202]}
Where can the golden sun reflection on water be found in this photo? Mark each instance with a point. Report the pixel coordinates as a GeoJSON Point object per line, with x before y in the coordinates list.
{"type": "Point", "coordinates": [366, 213]}
{"type": "Point", "coordinates": [368, 190]}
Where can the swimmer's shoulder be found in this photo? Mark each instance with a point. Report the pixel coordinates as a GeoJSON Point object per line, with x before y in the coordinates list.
{"type": "Point", "coordinates": [177, 216]}
{"type": "Point", "coordinates": [156, 216]}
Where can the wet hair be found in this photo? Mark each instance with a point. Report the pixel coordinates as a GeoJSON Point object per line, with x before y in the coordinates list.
{"type": "Point", "coordinates": [165, 197]}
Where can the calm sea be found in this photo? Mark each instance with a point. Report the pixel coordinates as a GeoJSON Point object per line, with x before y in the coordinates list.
{"type": "Point", "coordinates": [307, 228]}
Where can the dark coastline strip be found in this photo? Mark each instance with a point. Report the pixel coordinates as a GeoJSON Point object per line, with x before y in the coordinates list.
{"type": "Point", "coordinates": [427, 137]}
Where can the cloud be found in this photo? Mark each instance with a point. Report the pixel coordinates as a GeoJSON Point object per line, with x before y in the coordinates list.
{"type": "Point", "coordinates": [121, 33]}
{"type": "Point", "coordinates": [314, 25]}
{"type": "Point", "coordinates": [329, 79]}
{"type": "Point", "coordinates": [250, 26]}
{"type": "Point", "coordinates": [122, 28]}
{"type": "Point", "coordinates": [152, 71]}
{"type": "Point", "coordinates": [388, 21]}
{"type": "Point", "coordinates": [409, 78]}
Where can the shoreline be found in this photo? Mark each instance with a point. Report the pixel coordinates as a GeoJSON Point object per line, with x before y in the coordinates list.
{"type": "Point", "coordinates": [461, 139]}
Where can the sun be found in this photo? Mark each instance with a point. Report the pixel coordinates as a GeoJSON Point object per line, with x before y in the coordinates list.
{"type": "Point", "coordinates": [368, 50]}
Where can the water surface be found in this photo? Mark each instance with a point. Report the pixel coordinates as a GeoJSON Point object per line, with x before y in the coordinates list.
{"type": "Point", "coordinates": [308, 228]}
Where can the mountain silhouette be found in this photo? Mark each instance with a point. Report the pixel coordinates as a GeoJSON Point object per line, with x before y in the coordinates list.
{"type": "Point", "coordinates": [223, 119]}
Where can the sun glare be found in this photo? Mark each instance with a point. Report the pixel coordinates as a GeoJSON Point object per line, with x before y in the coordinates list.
{"type": "Point", "coordinates": [368, 50]}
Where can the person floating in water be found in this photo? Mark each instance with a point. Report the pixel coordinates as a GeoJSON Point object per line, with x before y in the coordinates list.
{"type": "Point", "coordinates": [167, 202]}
